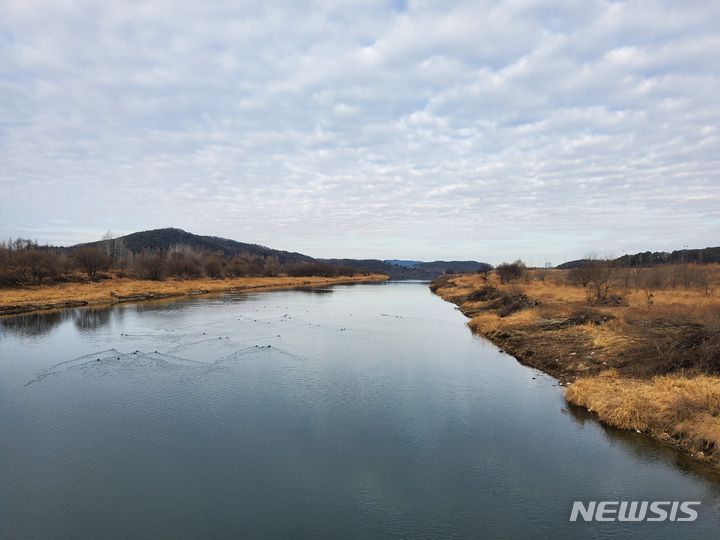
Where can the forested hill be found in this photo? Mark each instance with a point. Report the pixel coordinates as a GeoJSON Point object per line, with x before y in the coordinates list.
{"type": "Point", "coordinates": [651, 258]}
{"type": "Point", "coordinates": [164, 240]}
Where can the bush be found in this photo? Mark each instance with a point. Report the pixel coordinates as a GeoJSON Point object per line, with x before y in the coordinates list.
{"type": "Point", "coordinates": [596, 275]}
{"type": "Point", "coordinates": [508, 272]}
{"type": "Point", "coordinates": [237, 267]}
{"type": "Point", "coordinates": [90, 260]}
{"type": "Point", "coordinates": [41, 264]}
{"type": "Point", "coordinates": [600, 273]}
{"type": "Point", "coordinates": [151, 267]}
{"type": "Point", "coordinates": [184, 266]}
{"type": "Point", "coordinates": [214, 267]}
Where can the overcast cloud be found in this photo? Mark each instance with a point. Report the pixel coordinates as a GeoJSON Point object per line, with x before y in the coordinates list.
{"type": "Point", "coordinates": [429, 130]}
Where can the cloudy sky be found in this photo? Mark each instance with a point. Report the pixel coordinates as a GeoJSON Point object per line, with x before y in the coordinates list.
{"type": "Point", "coordinates": [390, 129]}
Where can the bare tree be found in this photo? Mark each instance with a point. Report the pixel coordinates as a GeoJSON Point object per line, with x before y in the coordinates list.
{"type": "Point", "coordinates": [580, 275]}
{"type": "Point", "coordinates": [600, 276]}
{"type": "Point", "coordinates": [185, 266]}
{"type": "Point", "coordinates": [508, 272]}
{"type": "Point", "coordinates": [151, 266]}
{"type": "Point", "coordinates": [238, 266]}
{"type": "Point", "coordinates": [108, 243]}
{"type": "Point", "coordinates": [626, 275]}
{"type": "Point", "coordinates": [120, 253]}
{"type": "Point", "coordinates": [702, 278]}
{"type": "Point", "coordinates": [637, 272]}
{"type": "Point", "coordinates": [41, 264]}
{"type": "Point", "coordinates": [651, 279]}
{"type": "Point", "coordinates": [214, 267]}
{"type": "Point", "coordinates": [271, 266]}
{"type": "Point", "coordinates": [92, 260]}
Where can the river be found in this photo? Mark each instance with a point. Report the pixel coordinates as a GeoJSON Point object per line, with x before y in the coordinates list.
{"type": "Point", "coordinates": [367, 411]}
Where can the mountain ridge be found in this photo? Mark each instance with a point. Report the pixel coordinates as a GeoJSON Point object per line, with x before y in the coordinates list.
{"type": "Point", "coordinates": [167, 238]}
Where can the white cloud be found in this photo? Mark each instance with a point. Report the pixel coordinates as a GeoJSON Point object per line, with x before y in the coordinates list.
{"type": "Point", "coordinates": [431, 130]}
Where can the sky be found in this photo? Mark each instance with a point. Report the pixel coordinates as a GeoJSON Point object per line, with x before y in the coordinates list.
{"type": "Point", "coordinates": [478, 130]}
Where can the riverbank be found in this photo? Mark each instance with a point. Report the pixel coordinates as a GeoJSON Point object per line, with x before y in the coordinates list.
{"type": "Point", "coordinates": [650, 368]}
{"type": "Point", "coordinates": [112, 291]}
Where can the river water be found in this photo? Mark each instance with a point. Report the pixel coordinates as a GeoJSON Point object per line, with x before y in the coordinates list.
{"type": "Point", "coordinates": [366, 411]}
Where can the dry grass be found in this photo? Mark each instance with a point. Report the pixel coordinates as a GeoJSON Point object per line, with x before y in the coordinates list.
{"type": "Point", "coordinates": [611, 338]}
{"type": "Point", "coordinates": [683, 409]}
{"type": "Point", "coordinates": [630, 325]}
{"type": "Point", "coordinates": [114, 290]}
{"type": "Point", "coordinates": [487, 322]}
{"type": "Point", "coordinates": [550, 291]}
{"type": "Point", "coordinates": [649, 367]}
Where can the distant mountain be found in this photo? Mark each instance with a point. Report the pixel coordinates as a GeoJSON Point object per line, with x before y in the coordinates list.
{"type": "Point", "coordinates": [163, 239]}
{"type": "Point", "coordinates": [648, 258]}
{"type": "Point", "coordinates": [169, 238]}
{"type": "Point", "coordinates": [421, 270]}
{"type": "Point", "coordinates": [452, 267]}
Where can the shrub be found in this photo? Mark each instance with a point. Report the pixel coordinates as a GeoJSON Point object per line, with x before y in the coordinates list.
{"type": "Point", "coordinates": [185, 267]}
{"type": "Point", "coordinates": [508, 272]}
{"type": "Point", "coordinates": [150, 266]}
{"type": "Point", "coordinates": [90, 260]}
{"type": "Point", "coordinates": [214, 267]}
{"type": "Point", "coordinates": [596, 275]}
{"type": "Point", "coordinates": [41, 264]}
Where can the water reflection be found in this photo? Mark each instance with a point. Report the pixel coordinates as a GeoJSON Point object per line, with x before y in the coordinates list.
{"type": "Point", "coordinates": [42, 324]}
{"type": "Point", "coordinates": [643, 446]}
{"type": "Point", "coordinates": [93, 318]}
{"type": "Point", "coordinates": [34, 324]}
{"type": "Point", "coordinates": [314, 290]}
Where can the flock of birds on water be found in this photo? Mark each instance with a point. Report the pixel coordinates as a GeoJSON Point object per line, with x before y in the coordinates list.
{"type": "Point", "coordinates": [170, 360]}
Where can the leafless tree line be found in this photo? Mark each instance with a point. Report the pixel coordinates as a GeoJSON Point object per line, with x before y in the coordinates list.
{"type": "Point", "coordinates": [603, 278]}
{"type": "Point", "coordinates": [25, 262]}
{"type": "Point", "coordinates": [599, 276]}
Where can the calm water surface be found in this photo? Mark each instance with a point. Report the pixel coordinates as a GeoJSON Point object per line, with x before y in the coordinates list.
{"type": "Point", "coordinates": [365, 411]}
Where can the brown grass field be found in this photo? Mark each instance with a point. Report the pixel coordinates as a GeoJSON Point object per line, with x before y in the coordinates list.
{"type": "Point", "coordinates": [110, 291]}
{"type": "Point", "coordinates": [653, 367]}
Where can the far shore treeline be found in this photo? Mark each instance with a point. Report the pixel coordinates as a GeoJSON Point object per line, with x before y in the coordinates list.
{"type": "Point", "coordinates": [173, 253]}
{"type": "Point", "coordinates": [25, 262]}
